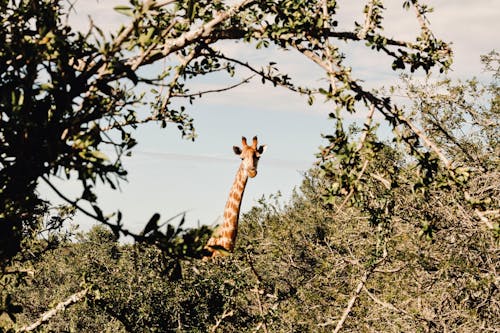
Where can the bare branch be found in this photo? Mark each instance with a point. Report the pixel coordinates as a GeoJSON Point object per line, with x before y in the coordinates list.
{"type": "Point", "coordinates": [357, 291]}
{"type": "Point", "coordinates": [393, 308]}
{"type": "Point", "coordinates": [261, 310]}
{"type": "Point", "coordinates": [224, 315]}
{"type": "Point", "coordinates": [58, 308]}
{"type": "Point", "coordinates": [201, 93]}
{"type": "Point", "coordinates": [427, 141]}
{"type": "Point", "coordinates": [385, 182]}
{"type": "Point", "coordinates": [351, 302]}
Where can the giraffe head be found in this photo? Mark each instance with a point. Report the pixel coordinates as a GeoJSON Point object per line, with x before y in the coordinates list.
{"type": "Point", "coordinates": [249, 155]}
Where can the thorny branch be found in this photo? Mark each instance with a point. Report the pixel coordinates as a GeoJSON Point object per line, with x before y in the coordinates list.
{"type": "Point", "coordinates": [355, 295]}
{"type": "Point", "coordinates": [76, 297]}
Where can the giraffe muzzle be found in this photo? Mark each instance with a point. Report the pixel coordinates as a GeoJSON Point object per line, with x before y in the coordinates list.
{"type": "Point", "coordinates": [252, 173]}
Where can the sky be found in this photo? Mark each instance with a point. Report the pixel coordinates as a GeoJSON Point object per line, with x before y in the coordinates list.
{"type": "Point", "coordinates": [169, 175]}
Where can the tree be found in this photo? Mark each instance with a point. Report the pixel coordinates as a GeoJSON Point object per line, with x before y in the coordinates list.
{"type": "Point", "coordinates": [66, 95]}
{"type": "Point", "coordinates": [413, 257]}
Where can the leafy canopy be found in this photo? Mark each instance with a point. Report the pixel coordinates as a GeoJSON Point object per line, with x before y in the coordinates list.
{"type": "Point", "coordinates": [67, 97]}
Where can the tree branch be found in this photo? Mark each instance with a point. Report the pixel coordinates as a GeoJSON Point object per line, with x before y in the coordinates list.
{"type": "Point", "coordinates": [200, 93]}
{"type": "Point", "coordinates": [261, 310]}
{"type": "Point", "coordinates": [58, 308]}
{"type": "Point", "coordinates": [224, 315]}
{"type": "Point", "coordinates": [357, 291]}
{"type": "Point", "coordinates": [204, 31]}
{"type": "Point", "coordinates": [351, 302]}
{"type": "Point", "coordinates": [395, 309]}
{"type": "Point", "coordinates": [368, 21]}
{"type": "Point", "coordinates": [260, 73]}
{"type": "Point", "coordinates": [89, 214]}
{"type": "Point", "coordinates": [184, 62]}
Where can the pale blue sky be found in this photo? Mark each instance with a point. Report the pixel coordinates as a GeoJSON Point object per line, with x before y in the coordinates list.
{"type": "Point", "coordinates": [170, 175]}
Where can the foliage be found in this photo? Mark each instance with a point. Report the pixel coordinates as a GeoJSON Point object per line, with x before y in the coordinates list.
{"type": "Point", "coordinates": [67, 97]}
{"type": "Point", "coordinates": [397, 258]}
{"type": "Point", "coordinates": [295, 269]}
{"type": "Point", "coordinates": [400, 234]}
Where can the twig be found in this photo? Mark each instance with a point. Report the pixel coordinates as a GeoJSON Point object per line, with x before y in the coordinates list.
{"type": "Point", "coordinates": [385, 182]}
{"type": "Point", "coordinates": [384, 304]}
{"type": "Point", "coordinates": [422, 20]}
{"type": "Point", "coordinates": [261, 310]}
{"type": "Point", "coordinates": [52, 312]}
{"type": "Point", "coordinates": [289, 86]}
{"type": "Point", "coordinates": [368, 22]}
{"type": "Point", "coordinates": [357, 291]}
{"type": "Point", "coordinates": [136, 62]}
{"type": "Point", "coordinates": [200, 93]}
{"type": "Point", "coordinates": [184, 62]}
{"type": "Point", "coordinates": [254, 271]}
{"type": "Point", "coordinates": [11, 270]}
{"type": "Point", "coordinates": [368, 122]}
{"type": "Point", "coordinates": [395, 309]}
{"type": "Point", "coordinates": [428, 142]}
{"type": "Point", "coordinates": [353, 299]}
{"type": "Point", "coordinates": [225, 314]}
{"type": "Point", "coordinates": [86, 212]}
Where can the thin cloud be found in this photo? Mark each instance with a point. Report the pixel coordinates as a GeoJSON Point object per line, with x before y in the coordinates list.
{"type": "Point", "coordinates": [269, 161]}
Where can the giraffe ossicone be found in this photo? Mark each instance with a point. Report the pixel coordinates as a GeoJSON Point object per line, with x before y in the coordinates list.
{"type": "Point", "coordinates": [224, 237]}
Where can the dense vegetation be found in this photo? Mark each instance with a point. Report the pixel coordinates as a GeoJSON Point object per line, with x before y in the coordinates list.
{"type": "Point", "coordinates": [401, 260]}
{"type": "Point", "coordinates": [398, 236]}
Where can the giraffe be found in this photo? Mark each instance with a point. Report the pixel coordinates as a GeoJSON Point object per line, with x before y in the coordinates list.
{"type": "Point", "coordinates": [224, 237]}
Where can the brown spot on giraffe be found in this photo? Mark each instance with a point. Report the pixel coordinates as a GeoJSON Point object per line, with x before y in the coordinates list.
{"type": "Point", "coordinates": [225, 236]}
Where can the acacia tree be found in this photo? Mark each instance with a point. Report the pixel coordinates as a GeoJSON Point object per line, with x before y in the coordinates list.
{"type": "Point", "coordinates": [64, 95]}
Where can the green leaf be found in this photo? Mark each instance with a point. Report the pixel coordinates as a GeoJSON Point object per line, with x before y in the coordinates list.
{"type": "Point", "coordinates": [99, 155]}
{"type": "Point", "coordinates": [124, 10]}
{"type": "Point", "coordinates": [221, 250]}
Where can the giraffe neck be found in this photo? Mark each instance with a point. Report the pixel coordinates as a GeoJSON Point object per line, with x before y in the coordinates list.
{"type": "Point", "coordinates": [233, 205]}
{"type": "Point", "coordinates": [226, 234]}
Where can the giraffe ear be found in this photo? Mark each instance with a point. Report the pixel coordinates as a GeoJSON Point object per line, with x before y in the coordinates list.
{"type": "Point", "coordinates": [237, 150]}
{"type": "Point", "coordinates": [262, 149]}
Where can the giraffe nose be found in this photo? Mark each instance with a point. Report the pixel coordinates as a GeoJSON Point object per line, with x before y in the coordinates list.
{"type": "Point", "coordinates": [252, 172]}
